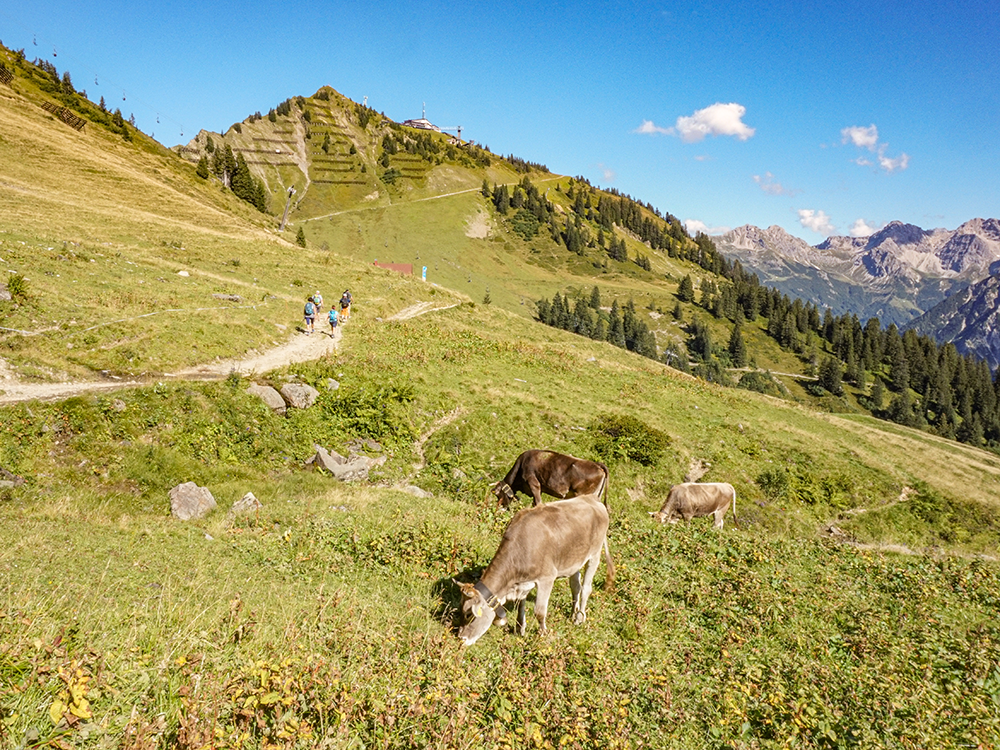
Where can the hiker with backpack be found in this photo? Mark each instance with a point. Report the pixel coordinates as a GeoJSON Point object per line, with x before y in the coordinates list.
{"type": "Point", "coordinates": [345, 305]}
{"type": "Point", "coordinates": [334, 320]}
{"type": "Point", "coordinates": [309, 314]}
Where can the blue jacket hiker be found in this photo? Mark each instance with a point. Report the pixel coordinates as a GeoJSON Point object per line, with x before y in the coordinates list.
{"type": "Point", "coordinates": [334, 319]}
{"type": "Point", "coordinates": [309, 315]}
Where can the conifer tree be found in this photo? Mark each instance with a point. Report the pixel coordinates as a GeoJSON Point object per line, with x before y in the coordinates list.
{"type": "Point", "coordinates": [600, 330]}
{"type": "Point", "coordinates": [737, 347]}
{"type": "Point", "coordinates": [899, 371]}
{"type": "Point", "coordinates": [877, 395]}
{"type": "Point", "coordinates": [582, 320]}
{"type": "Point", "coordinates": [300, 237]}
{"type": "Point", "coordinates": [595, 298]}
{"type": "Point", "coordinates": [701, 340]}
{"type": "Point", "coordinates": [542, 310]}
{"type": "Point", "coordinates": [202, 170]}
{"type": "Point", "coordinates": [616, 331]}
{"type": "Point", "coordinates": [685, 290]}
{"type": "Point", "coordinates": [830, 376]}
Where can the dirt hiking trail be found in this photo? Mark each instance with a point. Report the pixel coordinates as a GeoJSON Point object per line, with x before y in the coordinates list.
{"type": "Point", "coordinates": [298, 348]}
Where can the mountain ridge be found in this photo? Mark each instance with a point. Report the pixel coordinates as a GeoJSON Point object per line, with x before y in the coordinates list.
{"type": "Point", "coordinates": [895, 274]}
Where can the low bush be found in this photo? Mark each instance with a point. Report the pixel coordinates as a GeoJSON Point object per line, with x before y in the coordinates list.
{"type": "Point", "coordinates": [622, 437]}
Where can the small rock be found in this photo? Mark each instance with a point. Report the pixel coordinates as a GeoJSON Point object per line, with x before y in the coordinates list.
{"type": "Point", "coordinates": [412, 489]}
{"type": "Point", "coordinates": [246, 505]}
{"type": "Point", "coordinates": [183, 273]}
{"type": "Point", "coordinates": [345, 469]}
{"type": "Point", "coordinates": [299, 395]}
{"type": "Point", "coordinates": [190, 502]}
{"type": "Point", "coordinates": [269, 396]}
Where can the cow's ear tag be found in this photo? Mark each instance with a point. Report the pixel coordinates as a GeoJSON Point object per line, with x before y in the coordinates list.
{"type": "Point", "coordinates": [478, 611]}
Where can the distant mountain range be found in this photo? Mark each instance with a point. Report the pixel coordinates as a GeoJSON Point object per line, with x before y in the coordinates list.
{"type": "Point", "coordinates": [940, 282]}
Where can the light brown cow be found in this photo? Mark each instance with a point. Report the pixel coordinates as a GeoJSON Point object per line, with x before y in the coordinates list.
{"type": "Point", "coordinates": [538, 472]}
{"type": "Point", "coordinates": [692, 499]}
{"type": "Point", "coordinates": [540, 544]}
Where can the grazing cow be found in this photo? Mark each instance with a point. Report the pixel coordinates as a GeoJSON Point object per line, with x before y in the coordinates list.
{"type": "Point", "coordinates": [556, 474]}
{"type": "Point", "coordinates": [692, 499]}
{"type": "Point", "coordinates": [540, 544]}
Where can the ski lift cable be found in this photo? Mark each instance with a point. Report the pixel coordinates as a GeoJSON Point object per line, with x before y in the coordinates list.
{"type": "Point", "coordinates": [135, 100]}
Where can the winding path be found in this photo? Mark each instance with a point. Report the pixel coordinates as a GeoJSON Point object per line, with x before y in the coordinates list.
{"type": "Point", "coordinates": [298, 348]}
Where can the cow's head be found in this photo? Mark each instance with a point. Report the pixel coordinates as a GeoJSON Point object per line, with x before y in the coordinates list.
{"type": "Point", "coordinates": [663, 516]}
{"type": "Point", "coordinates": [477, 612]}
{"type": "Point", "coordinates": [505, 495]}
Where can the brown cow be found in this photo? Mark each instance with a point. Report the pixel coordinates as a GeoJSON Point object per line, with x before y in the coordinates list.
{"type": "Point", "coordinates": [540, 544]}
{"type": "Point", "coordinates": [538, 471]}
{"type": "Point", "coordinates": [692, 499]}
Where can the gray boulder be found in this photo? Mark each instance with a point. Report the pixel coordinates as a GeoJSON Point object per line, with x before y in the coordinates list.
{"type": "Point", "coordinates": [345, 469]}
{"type": "Point", "coordinates": [269, 396]}
{"type": "Point", "coordinates": [299, 395]}
{"type": "Point", "coordinates": [190, 502]}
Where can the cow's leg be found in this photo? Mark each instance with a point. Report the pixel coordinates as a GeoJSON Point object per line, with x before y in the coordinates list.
{"type": "Point", "coordinates": [536, 491]}
{"type": "Point", "coordinates": [576, 588]}
{"type": "Point", "coordinates": [522, 624]}
{"type": "Point", "coordinates": [580, 609]}
{"type": "Point", "coordinates": [719, 515]}
{"type": "Point", "coordinates": [542, 602]}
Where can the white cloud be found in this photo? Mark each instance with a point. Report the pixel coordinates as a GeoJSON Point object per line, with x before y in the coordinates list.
{"type": "Point", "coordinates": [718, 119]}
{"type": "Point", "coordinates": [649, 128]}
{"type": "Point", "coordinates": [817, 221]}
{"type": "Point", "coordinates": [891, 165]}
{"type": "Point", "coordinates": [860, 228]}
{"type": "Point", "coordinates": [860, 137]}
{"type": "Point", "coordinates": [694, 226]}
{"type": "Point", "coordinates": [607, 174]}
{"type": "Point", "coordinates": [867, 138]}
{"type": "Point", "coordinates": [769, 186]}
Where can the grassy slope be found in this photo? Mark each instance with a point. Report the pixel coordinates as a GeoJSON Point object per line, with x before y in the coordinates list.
{"type": "Point", "coordinates": [325, 618]}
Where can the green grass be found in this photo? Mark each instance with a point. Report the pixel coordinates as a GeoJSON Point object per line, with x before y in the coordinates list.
{"type": "Point", "coordinates": [327, 619]}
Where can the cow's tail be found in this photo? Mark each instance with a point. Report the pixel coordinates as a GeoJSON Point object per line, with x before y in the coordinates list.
{"type": "Point", "coordinates": [609, 576]}
{"type": "Point", "coordinates": [604, 486]}
{"type": "Point", "coordinates": [735, 519]}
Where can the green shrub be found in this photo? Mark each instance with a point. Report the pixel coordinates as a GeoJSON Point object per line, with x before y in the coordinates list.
{"type": "Point", "coordinates": [17, 285]}
{"type": "Point", "coordinates": [773, 482]}
{"type": "Point", "coordinates": [379, 412]}
{"type": "Point", "coordinates": [622, 437]}
{"type": "Point", "coordinates": [525, 224]}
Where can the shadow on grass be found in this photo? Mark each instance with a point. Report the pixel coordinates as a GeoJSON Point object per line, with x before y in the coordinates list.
{"type": "Point", "coordinates": [448, 597]}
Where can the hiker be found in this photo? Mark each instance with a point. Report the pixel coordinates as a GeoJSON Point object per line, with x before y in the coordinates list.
{"type": "Point", "coordinates": [334, 320]}
{"type": "Point", "coordinates": [345, 305]}
{"type": "Point", "coordinates": [318, 301]}
{"type": "Point", "coordinates": [309, 314]}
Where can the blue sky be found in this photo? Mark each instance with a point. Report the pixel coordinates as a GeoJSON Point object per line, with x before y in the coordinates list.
{"type": "Point", "coordinates": [819, 117]}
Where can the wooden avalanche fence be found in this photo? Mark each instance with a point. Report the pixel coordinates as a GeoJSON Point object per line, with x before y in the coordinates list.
{"type": "Point", "coordinates": [6, 76]}
{"type": "Point", "coordinates": [65, 115]}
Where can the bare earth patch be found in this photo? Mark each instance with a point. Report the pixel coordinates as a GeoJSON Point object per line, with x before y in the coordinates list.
{"type": "Point", "coordinates": [478, 226]}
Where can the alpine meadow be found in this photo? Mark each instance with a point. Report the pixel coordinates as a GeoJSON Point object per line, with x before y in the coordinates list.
{"type": "Point", "coordinates": [857, 604]}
